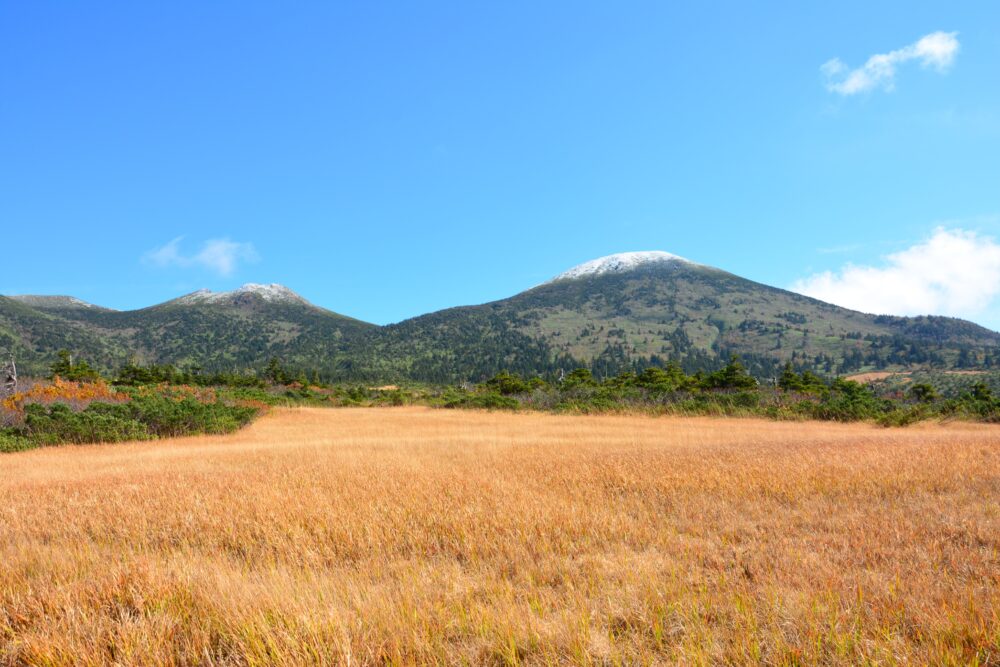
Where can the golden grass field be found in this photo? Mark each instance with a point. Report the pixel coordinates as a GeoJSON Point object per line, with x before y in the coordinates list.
{"type": "Point", "coordinates": [416, 536]}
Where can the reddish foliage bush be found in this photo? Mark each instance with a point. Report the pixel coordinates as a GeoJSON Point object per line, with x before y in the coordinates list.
{"type": "Point", "coordinates": [77, 395]}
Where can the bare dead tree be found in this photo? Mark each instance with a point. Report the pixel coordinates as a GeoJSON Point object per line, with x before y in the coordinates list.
{"type": "Point", "coordinates": [8, 376]}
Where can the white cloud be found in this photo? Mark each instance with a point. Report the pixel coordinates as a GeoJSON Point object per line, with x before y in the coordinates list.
{"type": "Point", "coordinates": [221, 256]}
{"type": "Point", "coordinates": [955, 272]}
{"type": "Point", "coordinates": [935, 51]}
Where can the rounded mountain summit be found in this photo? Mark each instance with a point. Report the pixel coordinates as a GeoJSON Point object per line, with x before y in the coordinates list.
{"type": "Point", "coordinates": [623, 262]}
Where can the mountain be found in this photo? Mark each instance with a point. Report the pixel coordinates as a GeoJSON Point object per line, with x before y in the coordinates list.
{"type": "Point", "coordinates": [35, 334]}
{"type": "Point", "coordinates": [615, 313]}
{"type": "Point", "coordinates": [240, 329]}
{"type": "Point", "coordinates": [634, 309]}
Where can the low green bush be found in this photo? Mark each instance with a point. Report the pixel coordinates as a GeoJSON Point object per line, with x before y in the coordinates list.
{"type": "Point", "coordinates": [594, 405]}
{"type": "Point", "coordinates": [57, 424]}
{"type": "Point", "coordinates": [170, 417]}
{"type": "Point", "coordinates": [145, 416]}
{"type": "Point", "coordinates": [485, 401]}
{"type": "Point", "coordinates": [11, 442]}
{"type": "Point", "coordinates": [726, 392]}
{"type": "Point", "coordinates": [904, 416]}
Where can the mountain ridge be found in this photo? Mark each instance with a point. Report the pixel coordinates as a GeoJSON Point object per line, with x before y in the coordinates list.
{"type": "Point", "coordinates": [618, 312]}
{"type": "Point", "coordinates": [54, 301]}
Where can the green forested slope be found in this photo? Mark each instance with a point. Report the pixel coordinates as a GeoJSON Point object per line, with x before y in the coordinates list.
{"type": "Point", "coordinates": [694, 314]}
{"type": "Point", "coordinates": [217, 336]}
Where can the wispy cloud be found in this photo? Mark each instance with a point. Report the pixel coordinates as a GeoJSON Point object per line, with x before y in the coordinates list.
{"type": "Point", "coordinates": [954, 272]}
{"type": "Point", "coordinates": [935, 51]}
{"type": "Point", "coordinates": [220, 256]}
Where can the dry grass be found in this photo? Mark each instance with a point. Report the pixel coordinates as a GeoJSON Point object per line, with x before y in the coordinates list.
{"type": "Point", "coordinates": [416, 536]}
{"type": "Point", "coordinates": [877, 376]}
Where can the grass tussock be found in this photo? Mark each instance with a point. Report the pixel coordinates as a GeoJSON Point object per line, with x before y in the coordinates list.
{"type": "Point", "coordinates": [406, 536]}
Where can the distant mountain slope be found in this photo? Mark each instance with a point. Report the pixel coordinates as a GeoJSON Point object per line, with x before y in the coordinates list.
{"type": "Point", "coordinates": [630, 310]}
{"type": "Point", "coordinates": [615, 313]}
{"type": "Point", "coordinates": [35, 335]}
{"type": "Point", "coordinates": [226, 330]}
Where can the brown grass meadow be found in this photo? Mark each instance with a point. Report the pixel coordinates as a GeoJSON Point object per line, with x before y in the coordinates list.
{"type": "Point", "coordinates": [419, 536]}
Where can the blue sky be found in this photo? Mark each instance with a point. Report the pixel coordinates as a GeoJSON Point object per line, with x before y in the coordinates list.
{"type": "Point", "coordinates": [389, 159]}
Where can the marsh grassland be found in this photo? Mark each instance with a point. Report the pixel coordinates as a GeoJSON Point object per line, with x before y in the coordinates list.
{"type": "Point", "coordinates": [416, 536]}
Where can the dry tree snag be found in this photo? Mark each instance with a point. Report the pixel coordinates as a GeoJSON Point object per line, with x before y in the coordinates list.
{"type": "Point", "coordinates": [8, 376]}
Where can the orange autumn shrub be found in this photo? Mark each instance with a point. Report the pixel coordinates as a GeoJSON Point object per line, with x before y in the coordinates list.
{"type": "Point", "coordinates": [78, 395]}
{"type": "Point", "coordinates": [64, 391]}
{"type": "Point", "coordinates": [260, 406]}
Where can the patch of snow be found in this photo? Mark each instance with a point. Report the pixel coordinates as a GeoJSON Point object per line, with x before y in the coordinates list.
{"type": "Point", "coordinates": [621, 263]}
{"type": "Point", "coordinates": [200, 295]}
{"type": "Point", "coordinates": [273, 293]}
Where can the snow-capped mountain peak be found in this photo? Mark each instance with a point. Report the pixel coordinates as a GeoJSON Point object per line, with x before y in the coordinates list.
{"type": "Point", "coordinates": [621, 263]}
{"type": "Point", "coordinates": [273, 293]}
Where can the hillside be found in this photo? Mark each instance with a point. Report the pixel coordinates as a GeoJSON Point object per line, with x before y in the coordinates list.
{"type": "Point", "coordinates": [642, 308]}
{"type": "Point", "coordinates": [35, 335]}
{"type": "Point", "coordinates": [225, 330]}
{"type": "Point", "coordinates": [611, 314]}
